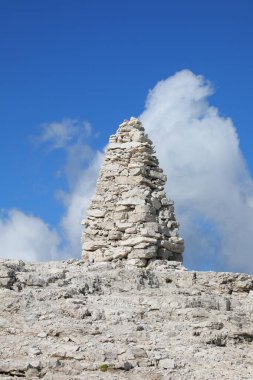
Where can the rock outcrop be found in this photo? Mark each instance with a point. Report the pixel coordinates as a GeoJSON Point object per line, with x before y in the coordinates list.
{"type": "Point", "coordinates": [72, 321]}
{"type": "Point", "coordinates": [130, 215]}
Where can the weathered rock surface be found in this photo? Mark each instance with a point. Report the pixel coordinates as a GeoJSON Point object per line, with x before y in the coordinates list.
{"type": "Point", "coordinates": [112, 320]}
{"type": "Point", "coordinates": [130, 216]}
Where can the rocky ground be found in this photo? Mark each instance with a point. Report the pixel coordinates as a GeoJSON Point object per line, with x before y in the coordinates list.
{"type": "Point", "coordinates": [66, 320]}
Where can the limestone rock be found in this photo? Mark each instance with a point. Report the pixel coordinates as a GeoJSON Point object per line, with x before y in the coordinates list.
{"type": "Point", "coordinates": [131, 204]}
{"type": "Point", "coordinates": [124, 320]}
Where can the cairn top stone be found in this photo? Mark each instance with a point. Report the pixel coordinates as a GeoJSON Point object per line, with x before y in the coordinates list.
{"type": "Point", "coordinates": [130, 216]}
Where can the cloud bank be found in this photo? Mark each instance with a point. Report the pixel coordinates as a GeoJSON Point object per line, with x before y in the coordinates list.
{"type": "Point", "coordinates": [207, 177]}
{"type": "Point", "coordinates": [26, 237]}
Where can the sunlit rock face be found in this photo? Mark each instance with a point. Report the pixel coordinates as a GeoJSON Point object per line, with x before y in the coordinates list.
{"type": "Point", "coordinates": [130, 216]}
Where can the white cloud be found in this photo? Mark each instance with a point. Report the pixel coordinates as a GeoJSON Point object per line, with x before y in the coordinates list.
{"type": "Point", "coordinates": [87, 128]}
{"type": "Point", "coordinates": [26, 237]}
{"type": "Point", "coordinates": [58, 134]}
{"type": "Point", "coordinates": [207, 175]}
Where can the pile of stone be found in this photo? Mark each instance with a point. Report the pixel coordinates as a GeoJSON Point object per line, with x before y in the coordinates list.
{"type": "Point", "coordinates": [130, 216]}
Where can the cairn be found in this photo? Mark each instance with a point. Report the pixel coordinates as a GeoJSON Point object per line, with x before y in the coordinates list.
{"type": "Point", "coordinates": [130, 216]}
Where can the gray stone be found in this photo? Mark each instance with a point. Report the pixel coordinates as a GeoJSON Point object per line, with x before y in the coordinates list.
{"type": "Point", "coordinates": [173, 247]}
{"type": "Point", "coordinates": [115, 235]}
{"type": "Point", "coordinates": [42, 335]}
{"type": "Point", "coordinates": [96, 213]}
{"type": "Point", "coordinates": [137, 262]}
{"type": "Point", "coordinates": [93, 245]}
{"type": "Point", "coordinates": [137, 240]}
{"type": "Point", "coordinates": [143, 253]}
{"type": "Point", "coordinates": [167, 363]}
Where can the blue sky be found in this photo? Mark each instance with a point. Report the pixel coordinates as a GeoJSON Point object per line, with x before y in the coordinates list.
{"type": "Point", "coordinates": [96, 61]}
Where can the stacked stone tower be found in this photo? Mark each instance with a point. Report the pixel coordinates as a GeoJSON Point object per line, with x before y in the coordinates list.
{"type": "Point", "coordinates": [130, 216]}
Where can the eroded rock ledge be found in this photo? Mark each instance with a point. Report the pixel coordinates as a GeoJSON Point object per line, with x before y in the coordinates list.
{"type": "Point", "coordinates": [67, 320]}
